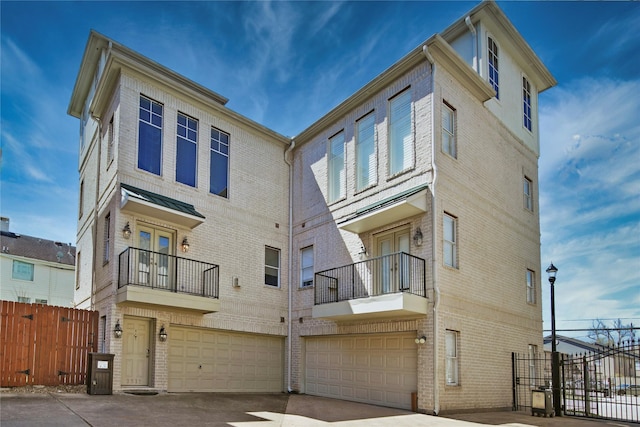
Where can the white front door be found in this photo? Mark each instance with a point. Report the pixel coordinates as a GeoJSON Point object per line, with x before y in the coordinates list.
{"type": "Point", "coordinates": [391, 271]}
{"type": "Point", "coordinates": [154, 262]}
{"type": "Point", "coordinates": [135, 351]}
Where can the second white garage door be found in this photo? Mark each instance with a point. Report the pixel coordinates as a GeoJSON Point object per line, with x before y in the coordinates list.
{"type": "Point", "coordinates": [208, 360]}
{"type": "Point", "coordinates": [380, 369]}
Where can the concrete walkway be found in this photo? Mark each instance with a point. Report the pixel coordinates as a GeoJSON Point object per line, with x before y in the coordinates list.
{"type": "Point", "coordinates": [239, 410]}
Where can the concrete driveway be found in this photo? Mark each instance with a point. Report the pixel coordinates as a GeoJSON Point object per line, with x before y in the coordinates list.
{"type": "Point", "coordinates": [237, 410]}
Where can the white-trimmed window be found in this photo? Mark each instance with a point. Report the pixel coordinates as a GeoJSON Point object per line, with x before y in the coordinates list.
{"type": "Point", "coordinates": [527, 188]}
{"type": "Point", "coordinates": [219, 163]}
{"type": "Point", "coordinates": [110, 142]}
{"type": "Point", "coordinates": [336, 172]}
{"type": "Point", "coordinates": [107, 238]}
{"type": "Point", "coordinates": [187, 150]}
{"type": "Point", "coordinates": [78, 270]}
{"type": "Point", "coordinates": [81, 201]}
{"type": "Point", "coordinates": [533, 358]}
{"type": "Point", "coordinates": [531, 286]}
{"type": "Point", "coordinates": [449, 130]}
{"type": "Point", "coordinates": [366, 164]}
{"type": "Point", "coordinates": [526, 104]}
{"type": "Point", "coordinates": [272, 266]}
{"type": "Point", "coordinates": [449, 240]}
{"type": "Point", "coordinates": [22, 271]}
{"type": "Point", "coordinates": [492, 54]}
{"type": "Point", "coordinates": [306, 267]}
{"type": "Point", "coordinates": [25, 300]}
{"type": "Point", "coordinates": [150, 135]}
{"type": "Point", "coordinates": [452, 357]}
{"type": "Point", "coordinates": [400, 140]}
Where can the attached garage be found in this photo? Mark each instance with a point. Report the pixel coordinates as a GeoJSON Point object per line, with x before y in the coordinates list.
{"type": "Point", "coordinates": [209, 360]}
{"type": "Point", "coordinates": [380, 369]}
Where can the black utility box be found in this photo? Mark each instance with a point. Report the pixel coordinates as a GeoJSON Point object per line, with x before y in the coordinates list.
{"type": "Point", "coordinates": [100, 373]}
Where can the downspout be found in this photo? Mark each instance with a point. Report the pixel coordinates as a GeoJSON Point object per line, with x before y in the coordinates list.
{"type": "Point", "coordinates": [434, 270]}
{"type": "Point", "coordinates": [95, 216]}
{"type": "Point", "coordinates": [289, 161]}
{"type": "Point", "coordinates": [472, 29]}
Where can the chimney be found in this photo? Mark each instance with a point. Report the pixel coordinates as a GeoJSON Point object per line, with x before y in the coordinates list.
{"type": "Point", "coordinates": [4, 223]}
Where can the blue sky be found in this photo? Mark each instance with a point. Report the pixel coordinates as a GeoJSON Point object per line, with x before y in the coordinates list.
{"type": "Point", "coordinates": [285, 64]}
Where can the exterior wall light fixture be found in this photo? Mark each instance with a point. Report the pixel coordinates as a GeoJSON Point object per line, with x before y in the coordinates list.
{"type": "Point", "coordinates": [421, 340]}
{"type": "Point", "coordinates": [163, 334]}
{"type": "Point", "coordinates": [363, 253]}
{"type": "Point", "coordinates": [117, 331]}
{"type": "Point", "coordinates": [185, 245]}
{"type": "Point", "coordinates": [126, 231]}
{"type": "Point", "coordinates": [417, 237]}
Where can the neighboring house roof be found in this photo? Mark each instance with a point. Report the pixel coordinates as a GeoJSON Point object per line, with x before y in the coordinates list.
{"type": "Point", "coordinates": [37, 248]}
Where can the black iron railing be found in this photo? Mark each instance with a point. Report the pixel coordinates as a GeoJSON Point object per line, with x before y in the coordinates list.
{"type": "Point", "coordinates": [389, 274]}
{"type": "Point", "coordinates": [140, 267]}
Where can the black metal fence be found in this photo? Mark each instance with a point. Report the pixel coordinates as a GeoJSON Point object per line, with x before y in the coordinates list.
{"type": "Point", "coordinates": [140, 267]}
{"type": "Point", "coordinates": [601, 383]}
{"type": "Point", "coordinates": [399, 272]}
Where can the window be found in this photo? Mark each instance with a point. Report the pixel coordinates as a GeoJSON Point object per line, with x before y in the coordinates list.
{"type": "Point", "coordinates": [531, 287]}
{"type": "Point", "coordinates": [533, 355]}
{"type": "Point", "coordinates": [493, 66]}
{"type": "Point", "coordinates": [41, 301]}
{"type": "Point", "coordinates": [186, 156]}
{"type": "Point", "coordinates": [400, 143]}
{"type": "Point", "coordinates": [526, 103]}
{"type": "Point", "coordinates": [449, 241]}
{"type": "Point", "coordinates": [110, 137]}
{"type": "Point", "coordinates": [219, 163]}
{"type": "Point", "coordinates": [272, 266]}
{"type": "Point", "coordinates": [81, 202]}
{"type": "Point", "coordinates": [22, 271]}
{"type": "Point", "coordinates": [150, 136]}
{"type": "Point", "coordinates": [26, 300]}
{"type": "Point", "coordinates": [528, 193]}
{"type": "Point", "coordinates": [451, 349]}
{"type": "Point", "coordinates": [78, 270]}
{"type": "Point", "coordinates": [306, 267]}
{"type": "Point", "coordinates": [449, 130]}
{"type": "Point", "coordinates": [103, 334]}
{"type": "Point", "coordinates": [336, 167]}
{"type": "Point", "coordinates": [107, 238]}
{"type": "Point", "coordinates": [365, 152]}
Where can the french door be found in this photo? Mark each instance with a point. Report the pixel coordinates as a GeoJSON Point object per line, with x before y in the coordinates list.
{"type": "Point", "coordinates": [392, 273]}
{"type": "Point", "coordinates": [155, 264]}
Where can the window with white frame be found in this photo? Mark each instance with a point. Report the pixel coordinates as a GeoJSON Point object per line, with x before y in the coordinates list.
{"type": "Point", "coordinates": [533, 355]}
{"type": "Point", "coordinates": [492, 53]}
{"type": "Point", "coordinates": [78, 270]}
{"type": "Point", "coordinates": [22, 271]}
{"type": "Point", "coordinates": [400, 141]}
{"type": "Point", "coordinates": [336, 172]}
{"type": "Point", "coordinates": [272, 266]}
{"type": "Point", "coordinates": [81, 201]}
{"type": "Point", "coordinates": [366, 164]}
{"type": "Point", "coordinates": [187, 150]}
{"type": "Point", "coordinates": [25, 300]}
{"type": "Point", "coordinates": [449, 240]}
{"type": "Point", "coordinates": [110, 142]}
{"type": "Point", "coordinates": [449, 130]}
{"type": "Point", "coordinates": [219, 163]}
{"type": "Point", "coordinates": [452, 357]}
{"type": "Point", "coordinates": [107, 238]}
{"type": "Point", "coordinates": [528, 193]}
{"type": "Point", "coordinates": [526, 103]}
{"type": "Point", "coordinates": [531, 287]}
{"type": "Point", "coordinates": [150, 135]}
{"type": "Point", "coordinates": [306, 267]}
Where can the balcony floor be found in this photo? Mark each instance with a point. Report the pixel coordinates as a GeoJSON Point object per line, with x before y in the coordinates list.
{"type": "Point", "coordinates": [395, 305]}
{"type": "Point", "coordinates": [143, 296]}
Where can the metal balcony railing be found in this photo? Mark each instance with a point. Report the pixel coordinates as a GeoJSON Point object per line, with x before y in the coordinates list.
{"type": "Point", "coordinates": [389, 274]}
{"type": "Point", "coordinates": [140, 267]}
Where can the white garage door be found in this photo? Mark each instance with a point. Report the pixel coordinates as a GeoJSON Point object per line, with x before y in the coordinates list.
{"type": "Point", "coordinates": [380, 369]}
{"type": "Point", "coordinates": [210, 360]}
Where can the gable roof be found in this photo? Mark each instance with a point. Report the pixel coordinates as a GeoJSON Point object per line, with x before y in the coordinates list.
{"type": "Point", "coordinates": [37, 248]}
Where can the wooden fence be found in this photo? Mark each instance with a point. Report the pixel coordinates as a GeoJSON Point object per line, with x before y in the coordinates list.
{"type": "Point", "coordinates": [45, 345]}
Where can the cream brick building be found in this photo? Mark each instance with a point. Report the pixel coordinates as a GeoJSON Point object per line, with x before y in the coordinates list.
{"type": "Point", "coordinates": [389, 252]}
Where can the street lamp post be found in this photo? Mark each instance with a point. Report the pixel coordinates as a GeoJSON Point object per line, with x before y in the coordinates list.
{"type": "Point", "coordinates": [555, 357]}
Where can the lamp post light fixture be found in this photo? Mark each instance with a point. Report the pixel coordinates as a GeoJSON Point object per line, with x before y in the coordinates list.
{"type": "Point", "coordinates": [117, 331]}
{"type": "Point", "coordinates": [555, 357]}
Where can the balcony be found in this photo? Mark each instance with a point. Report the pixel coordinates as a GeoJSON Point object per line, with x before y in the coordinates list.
{"type": "Point", "coordinates": [147, 278]}
{"type": "Point", "coordinates": [389, 286]}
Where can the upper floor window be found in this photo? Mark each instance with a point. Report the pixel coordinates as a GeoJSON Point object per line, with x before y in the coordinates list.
{"type": "Point", "coordinates": [531, 287]}
{"type": "Point", "coordinates": [219, 163]}
{"type": "Point", "coordinates": [526, 103]}
{"type": "Point", "coordinates": [110, 142]}
{"type": "Point", "coordinates": [528, 193]}
{"type": "Point", "coordinates": [150, 135]}
{"type": "Point", "coordinates": [365, 152]}
{"type": "Point", "coordinates": [449, 130]}
{"type": "Point", "coordinates": [271, 266]}
{"type": "Point", "coordinates": [449, 241]}
{"type": "Point", "coordinates": [81, 201]}
{"type": "Point", "coordinates": [107, 238]}
{"type": "Point", "coordinates": [78, 265]}
{"type": "Point", "coordinates": [452, 359]}
{"type": "Point", "coordinates": [22, 271]}
{"type": "Point", "coordinates": [306, 267]}
{"type": "Point", "coordinates": [186, 156]}
{"type": "Point", "coordinates": [492, 55]}
{"type": "Point", "coordinates": [400, 141]}
{"type": "Point", "coordinates": [336, 172]}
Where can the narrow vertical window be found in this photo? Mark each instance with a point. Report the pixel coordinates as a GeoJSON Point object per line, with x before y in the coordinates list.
{"type": "Point", "coordinates": [219, 163]}
{"type": "Point", "coordinates": [81, 201]}
{"type": "Point", "coordinates": [449, 130]}
{"type": "Point", "coordinates": [150, 135]}
{"type": "Point", "coordinates": [451, 349]}
{"type": "Point", "coordinates": [187, 146]}
{"type": "Point", "coordinates": [78, 270]}
{"type": "Point", "coordinates": [365, 152]}
{"type": "Point", "coordinates": [306, 267]}
{"type": "Point", "coordinates": [103, 334]}
{"type": "Point", "coordinates": [531, 287]}
{"type": "Point", "coordinates": [493, 66]}
{"type": "Point", "coordinates": [400, 142]}
{"type": "Point", "coordinates": [336, 171]}
{"type": "Point", "coordinates": [528, 193]}
{"type": "Point", "coordinates": [526, 103]}
{"type": "Point", "coordinates": [110, 142]}
{"type": "Point", "coordinates": [533, 355]}
{"type": "Point", "coordinates": [449, 241]}
{"type": "Point", "coordinates": [107, 238]}
{"type": "Point", "coordinates": [272, 266]}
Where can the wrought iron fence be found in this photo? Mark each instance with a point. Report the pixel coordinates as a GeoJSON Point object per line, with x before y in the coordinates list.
{"type": "Point", "coordinates": [399, 272]}
{"type": "Point", "coordinates": [140, 267]}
